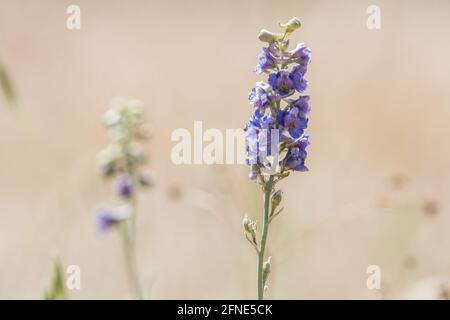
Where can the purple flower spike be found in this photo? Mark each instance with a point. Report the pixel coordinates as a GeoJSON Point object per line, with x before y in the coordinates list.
{"type": "Point", "coordinates": [278, 110]}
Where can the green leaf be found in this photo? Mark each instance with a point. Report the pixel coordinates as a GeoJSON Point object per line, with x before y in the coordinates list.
{"type": "Point", "coordinates": [56, 290]}
{"type": "Point", "coordinates": [6, 85]}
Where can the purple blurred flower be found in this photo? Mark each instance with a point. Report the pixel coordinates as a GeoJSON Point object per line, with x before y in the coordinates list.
{"type": "Point", "coordinates": [124, 186]}
{"type": "Point", "coordinates": [107, 218]}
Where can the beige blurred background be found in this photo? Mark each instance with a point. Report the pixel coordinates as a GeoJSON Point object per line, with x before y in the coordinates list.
{"type": "Point", "coordinates": [377, 192]}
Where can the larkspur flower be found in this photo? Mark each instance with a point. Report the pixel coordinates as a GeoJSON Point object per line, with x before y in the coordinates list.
{"type": "Point", "coordinates": [301, 54]}
{"type": "Point", "coordinates": [265, 61]}
{"type": "Point", "coordinates": [294, 119]}
{"type": "Point", "coordinates": [260, 95]}
{"type": "Point", "coordinates": [260, 133]}
{"type": "Point", "coordinates": [276, 112]}
{"type": "Point", "coordinates": [282, 82]}
{"type": "Point", "coordinates": [296, 155]}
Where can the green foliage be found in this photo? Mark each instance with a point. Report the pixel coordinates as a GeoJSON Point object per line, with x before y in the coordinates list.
{"type": "Point", "coordinates": [56, 290]}
{"type": "Point", "coordinates": [6, 85]}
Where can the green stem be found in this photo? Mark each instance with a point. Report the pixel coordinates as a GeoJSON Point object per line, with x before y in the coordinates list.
{"type": "Point", "coordinates": [130, 260]}
{"type": "Point", "coordinates": [267, 192]}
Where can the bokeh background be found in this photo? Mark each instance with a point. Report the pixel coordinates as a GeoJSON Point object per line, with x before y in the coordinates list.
{"type": "Point", "coordinates": [377, 192]}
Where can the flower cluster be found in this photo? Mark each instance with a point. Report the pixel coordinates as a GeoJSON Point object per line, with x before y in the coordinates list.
{"type": "Point", "coordinates": [123, 158]}
{"type": "Point", "coordinates": [275, 135]}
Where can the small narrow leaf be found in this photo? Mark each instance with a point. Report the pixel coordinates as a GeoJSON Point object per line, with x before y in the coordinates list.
{"type": "Point", "coordinates": [56, 290]}
{"type": "Point", "coordinates": [6, 85]}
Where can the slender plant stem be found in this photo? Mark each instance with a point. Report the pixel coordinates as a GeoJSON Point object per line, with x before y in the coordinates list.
{"type": "Point", "coordinates": [267, 192]}
{"type": "Point", "coordinates": [130, 260]}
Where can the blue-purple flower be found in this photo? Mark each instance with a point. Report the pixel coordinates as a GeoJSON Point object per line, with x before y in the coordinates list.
{"type": "Point", "coordinates": [265, 61]}
{"type": "Point", "coordinates": [285, 82]}
{"type": "Point", "coordinates": [260, 95]}
{"type": "Point", "coordinates": [282, 82]}
{"type": "Point", "coordinates": [298, 76]}
{"type": "Point", "coordinates": [262, 138]}
{"type": "Point", "coordinates": [301, 54]}
{"type": "Point", "coordinates": [296, 155]}
{"type": "Point", "coordinates": [294, 119]}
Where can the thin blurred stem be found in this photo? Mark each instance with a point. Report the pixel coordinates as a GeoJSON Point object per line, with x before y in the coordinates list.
{"type": "Point", "coordinates": [130, 260]}
{"type": "Point", "coordinates": [267, 192]}
{"type": "Point", "coordinates": [129, 230]}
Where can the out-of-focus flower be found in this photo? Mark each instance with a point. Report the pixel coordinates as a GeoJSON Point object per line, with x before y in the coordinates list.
{"type": "Point", "coordinates": [122, 159]}
{"type": "Point", "coordinates": [124, 186]}
{"type": "Point", "coordinates": [108, 218]}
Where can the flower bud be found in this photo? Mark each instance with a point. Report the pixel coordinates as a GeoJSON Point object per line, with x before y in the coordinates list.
{"type": "Point", "coordinates": [276, 198]}
{"type": "Point", "coordinates": [266, 269]}
{"type": "Point", "coordinates": [267, 36]}
{"type": "Point", "coordinates": [248, 225]}
{"type": "Point", "coordinates": [147, 179]}
{"type": "Point", "coordinates": [291, 25]}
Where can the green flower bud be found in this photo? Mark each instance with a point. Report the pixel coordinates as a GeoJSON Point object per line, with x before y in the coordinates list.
{"type": "Point", "coordinates": [276, 198]}
{"type": "Point", "coordinates": [291, 25]}
{"type": "Point", "coordinates": [247, 224]}
{"type": "Point", "coordinates": [266, 269]}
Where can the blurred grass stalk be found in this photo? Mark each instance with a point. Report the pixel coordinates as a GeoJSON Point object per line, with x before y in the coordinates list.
{"type": "Point", "coordinates": [56, 290]}
{"type": "Point", "coordinates": [6, 85]}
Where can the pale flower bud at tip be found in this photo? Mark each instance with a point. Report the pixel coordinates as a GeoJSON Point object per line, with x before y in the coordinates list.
{"type": "Point", "coordinates": [291, 25]}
